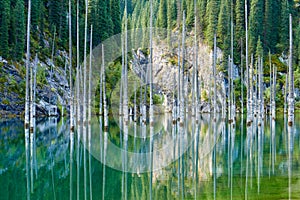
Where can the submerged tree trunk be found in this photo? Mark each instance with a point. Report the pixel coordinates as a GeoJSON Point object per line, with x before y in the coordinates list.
{"type": "Point", "coordinates": [125, 103]}
{"type": "Point", "coordinates": [182, 106]}
{"type": "Point", "coordinates": [214, 74]}
{"type": "Point", "coordinates": [77, 65]}
{"type": "Point", "coordinates": [90, 77]}
{"type": "Point", "coordinates": [151, 65]}
{"type": "Point", "coordinates": [70, 70]}
{"type": "Point", "coordinates": [291, 78]}
{"type": "Point", "coordinates": [27, 67]}
{"type": "Point", "coordinates": [85, 65]}
{"type": "Point", "coordinates": [104, 92]}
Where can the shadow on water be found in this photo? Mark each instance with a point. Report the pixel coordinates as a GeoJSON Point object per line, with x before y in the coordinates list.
{"type": "Point", "coordinates": [201, 159]}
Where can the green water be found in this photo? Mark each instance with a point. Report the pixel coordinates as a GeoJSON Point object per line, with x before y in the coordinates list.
{"type": "Point", "coordinates": [201, 160]}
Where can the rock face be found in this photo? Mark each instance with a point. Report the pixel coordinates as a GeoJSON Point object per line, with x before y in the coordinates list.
{"type": "Point", "coordinates": [52, 91]}
{"type": "Point", "coordinates": [165, 70]}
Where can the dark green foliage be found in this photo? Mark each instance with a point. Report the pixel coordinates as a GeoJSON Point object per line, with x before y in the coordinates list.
{"type": "Point", "coordinates": [255, 23]}
{"type": "Point", "coordinates": [19, 30]}
{"type": "Point", "coordinates": [4, 27]}
{"type": "Point", "coordinates": [162, 13]}
{"type": "Point", "coordinates": [223, 31]}
{"type": "Point", "coordinates": [212, 12]}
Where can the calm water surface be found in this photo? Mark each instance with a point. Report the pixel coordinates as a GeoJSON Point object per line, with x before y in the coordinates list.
{"type": "Point", "coordinates": [201, 160]}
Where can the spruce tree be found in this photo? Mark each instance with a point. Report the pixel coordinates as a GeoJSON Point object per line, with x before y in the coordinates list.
{"type": "Point", "coordinates": [240, 26]}
{"type": "Point", "coordinates": [255, 23]}
{"type": "Point", "coordinates": [162, 13]}
{"type": "Point", "coordinates": [212, 20]}
{"type": "Point", "coordinates": [223, 31]}
{"type": "Point", "coordinates": [259, 49]}
{"type": "Point", "coordinates": [202, 14]}
{"type": "Point", "coordinates": [20, 30]}
{"type": "Point", "coordinates": [4, 26]}
{"type": "Point", "coordinates": [284, 27]}
{"type": "Point", "coordinates": [115, 16]}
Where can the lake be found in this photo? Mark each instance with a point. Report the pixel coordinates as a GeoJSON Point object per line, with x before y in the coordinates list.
{"type": "Point", "coordinates": [203, 159]}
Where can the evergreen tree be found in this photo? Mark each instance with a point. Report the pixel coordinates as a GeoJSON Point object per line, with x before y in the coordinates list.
{"type": "Point", "coordinates": [202, 14]}
{"type": "Point", "coordinates": [20, 30]}
{"type": "Point", "coordinates": [255, 23]}
{"type": "Point", "coordinates": [35, 15]}
{"type": "Point", "coordinates": [284, 27]}
{"type": "Point", "coordinates": [212, 20]}
{"type": "Point", "coordinates": [115, 16]}
{"type": "Point", "coordinates": [223, 31]}
{"type": "Point", "coordinates": [240, 25]}
{"type": "Point", "coordinates": [162, 13]}
{"type": "Point", "coordinates": [4, 25]}
{"type": "Point", "coordinates": [259, 49]}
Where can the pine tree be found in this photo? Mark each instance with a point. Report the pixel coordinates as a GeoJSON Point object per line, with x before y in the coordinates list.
{"type": "Point", "coordinates": [20, 29]}
{"type": "Point", "coordinates": [35, 16]}
{"type": "Point", "coordinates": [4, 26]}
{"type": "Point", "coordinates": [255, 23]}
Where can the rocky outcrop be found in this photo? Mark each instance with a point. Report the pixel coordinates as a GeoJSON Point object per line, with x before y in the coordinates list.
{"type": "Point", "coordinates": [165, 70]}
{"type": "Point", "coordinates": [52, 91]}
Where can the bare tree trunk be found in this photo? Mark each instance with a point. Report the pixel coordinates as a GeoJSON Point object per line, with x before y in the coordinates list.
{"type": "Point", "coordinates": [291, 79]}
{"type": "Point", "coordinates": [77, 64]}
{"type": "Point", "coordinates": [182, 106]}
{"type": "Point", "coordinates": [229, 88]}
{"type": "Point", "coordinates": [125, 103]}
{"type": "Point", "coordinates": [274, 93]}
{"type": "Point", "coordinates": [231, 63]}
{"type": "Point", "coordinates": [271, 83]}
{"type": "Point", "coordinates": [27, 67]}
{"type": "Point", "coordinates": [104, 92]}
{"type": "Point", "coordinates": [242, 79]}
{"type": "Point", "coordinates": [70, 70]}
{"type": "Point", "coordinates": [214, 74]}
{"type": "Point", "coordinates": [90, 77]}
{"type": "Point", "coordinates": [249, 114]}
{"type": "Point", "coordinates": [31, 99]}
{"type": "Point", "coordinates": [85, 66]}
{"type": "Point", "coordinates": [34, 85]}
{"type": "Point", "coordinates": [195, 68]}
{"type": "Point", "coordinates": [151, 64]}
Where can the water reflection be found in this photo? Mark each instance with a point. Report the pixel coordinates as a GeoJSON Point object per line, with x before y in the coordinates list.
{"type": "Point", "coordinates": [207, 159]}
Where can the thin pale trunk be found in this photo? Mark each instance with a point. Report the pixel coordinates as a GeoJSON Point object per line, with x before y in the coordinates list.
{"type": "Point", "coordinates": [27, 66]}
{"type": "Point", "coordinates": [104, 92]}
{"type": "Point", "coordinates": [151, 64]}
{"type": "Point", "coordinates": [249, 114]}
{"type": "Point", "coordinates": [34, 85]}
{"type": "Point", "coordinates": [271, 83]}
{"type": "Point", "coordinates": [77, 64]}
{"type": "Point", "coordinates": [70, 69]}
{"type": "Point", "coordinates": [125, 108]}
{"type": "Point", "coordinates": [135, 107]}
{"type": "Point", "coordinates": [229, 88]}
{"type": "Point", "coordinates": [214, 74]}
{"type": "Point", "coordinates": [274, 92]}
{"type": "Point", "coordinates": [232, 62]}
{"type": "Point", "coordinates": [182, 106]}
{"type": "Point", "coordinates": [31, 99]}
{"type": "Point", "coordinates": [195, 98]}
{"type": "Point", "coordinates": [85, 66]}
{"type": "Point", "coordinates": [242, 79]}
{"type": "Point", "coordinates": [291, 99]}
{"type": "Point", "coordinates": [179, 64]}
{"type": "Point", "coordinates": [90, 77]}
{"type": "Point", "coordinates": [286, 92]}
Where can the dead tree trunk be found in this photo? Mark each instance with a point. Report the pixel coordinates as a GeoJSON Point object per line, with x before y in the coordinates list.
{"type": "Point", "coordinates": [27, 67]}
